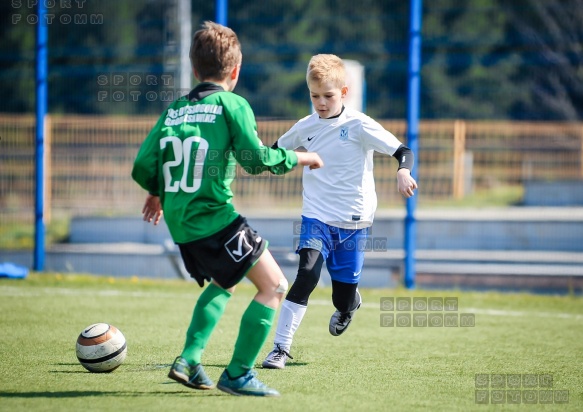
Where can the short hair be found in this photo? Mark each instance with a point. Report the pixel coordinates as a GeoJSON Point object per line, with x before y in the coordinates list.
{"type": "Point", "coordinates": [214, 51]}
{"type": "Point", "coordinates": [324, 68]}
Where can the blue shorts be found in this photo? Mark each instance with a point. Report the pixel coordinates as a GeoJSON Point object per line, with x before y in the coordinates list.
{"type": "Point", "coordinates": [342, 249]}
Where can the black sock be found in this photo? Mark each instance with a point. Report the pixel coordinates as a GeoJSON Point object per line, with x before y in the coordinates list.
{"type": "Point", "coordinates": [344, 296]}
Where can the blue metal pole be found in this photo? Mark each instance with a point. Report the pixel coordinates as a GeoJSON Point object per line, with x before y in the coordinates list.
{"type": "Point", "coordinates": [412, 133]}
{"type": "Point", "coordinates": [41, 109]}
{"type": "Point", "coordinates": [221, 12]}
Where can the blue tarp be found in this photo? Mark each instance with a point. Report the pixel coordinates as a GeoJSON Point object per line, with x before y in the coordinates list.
{"type": "Point", "coordinates": [10, 270]}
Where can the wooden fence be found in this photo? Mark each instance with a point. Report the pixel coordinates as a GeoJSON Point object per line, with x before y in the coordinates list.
{"type": "Point", "coordinates": [89, 159]}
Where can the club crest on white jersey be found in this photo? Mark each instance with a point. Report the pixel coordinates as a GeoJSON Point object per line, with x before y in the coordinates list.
{"type": "Point", "coordinates": [344, 133]}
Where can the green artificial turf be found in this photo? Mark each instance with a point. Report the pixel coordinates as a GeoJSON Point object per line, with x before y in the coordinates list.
{"type": "Point", "coordinates": [369, 368]}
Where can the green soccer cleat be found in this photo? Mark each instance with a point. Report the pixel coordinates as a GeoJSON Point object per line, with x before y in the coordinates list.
{"type": "Point", "coordinates": [189, 375]}
{"type": "Point", "coordinates": [247, 384]}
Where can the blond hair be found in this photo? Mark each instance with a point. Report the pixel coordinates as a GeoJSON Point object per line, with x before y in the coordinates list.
{"type": "Point", "coordinates": [214, 51]}
{"type": "Point", "coordinates": [324, 68]}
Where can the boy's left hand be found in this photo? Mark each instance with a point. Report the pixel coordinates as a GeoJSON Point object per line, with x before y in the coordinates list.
{"type": "Point", "coordinates": [406, 183]}
{"type": "Point", "coordinates": [152, 209]}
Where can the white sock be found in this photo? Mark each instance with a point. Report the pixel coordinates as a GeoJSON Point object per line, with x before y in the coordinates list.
{"type": "Point", "coordinates": [290, 317]}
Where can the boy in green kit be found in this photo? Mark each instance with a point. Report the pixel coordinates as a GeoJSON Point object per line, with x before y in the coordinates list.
{"type": "Point", "coordinates": [187, 164]}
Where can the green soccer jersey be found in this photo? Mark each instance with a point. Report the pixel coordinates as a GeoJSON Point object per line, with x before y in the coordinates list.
{"type": "Point", "coordinates": [189, 160]}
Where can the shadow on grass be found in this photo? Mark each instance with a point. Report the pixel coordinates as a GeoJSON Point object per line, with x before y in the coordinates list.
{"type": "Point", "coordinates": [82, 394]}
{"type": "Point", "coordinates": [145, 368]}
{"type": "Point", "coordinates": [79, 371]}
{"type": "Point", "coordinates": [124, 367]}
{"type": "Point", "coordinates": [223, 366]}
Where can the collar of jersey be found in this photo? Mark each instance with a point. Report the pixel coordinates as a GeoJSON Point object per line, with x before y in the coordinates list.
{"type": "Point", "coordinates": [335, 117]}
{"type": "Point", "coordinates": [203, 90]}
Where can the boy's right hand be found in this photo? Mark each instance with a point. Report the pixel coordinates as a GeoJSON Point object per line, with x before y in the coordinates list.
{"type": "Point", "coordinates": [310, 159]}
{"type": "Point", "coordinates": [405, 183]}
{"type": "Point", "coordinates": [152, 209]}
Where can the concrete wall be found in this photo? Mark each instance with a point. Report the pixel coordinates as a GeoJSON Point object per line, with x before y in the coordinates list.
{"type": "Point", "coordinates": [556, 193]}
{"type": "Point", "coordinates": [514, 242]}
{"type": "Point", "coordinates": [521, 229]}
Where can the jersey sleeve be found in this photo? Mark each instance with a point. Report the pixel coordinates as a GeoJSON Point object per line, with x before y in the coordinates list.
{"type": "Point", "coordinates": [145, 169]}
{"type": "Point", "coordinates": [290, 139]}
{"type": "Point", "coordinates": [250, 152]}
{"type": "Point", "coordinates": [377, 138]}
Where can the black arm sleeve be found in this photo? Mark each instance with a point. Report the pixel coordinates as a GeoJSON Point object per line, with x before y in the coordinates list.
{"type": "Point", "coordinates": [275, 146]}
{"type": "Point", "coordinates": [405, 157]}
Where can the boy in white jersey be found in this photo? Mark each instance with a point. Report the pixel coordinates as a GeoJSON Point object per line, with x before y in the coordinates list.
{"type": "Point", "coordinates": [339, 200]}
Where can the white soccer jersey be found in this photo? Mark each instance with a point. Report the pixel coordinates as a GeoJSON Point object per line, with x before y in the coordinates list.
{"type": "Point", "coordinates": [342, 193]}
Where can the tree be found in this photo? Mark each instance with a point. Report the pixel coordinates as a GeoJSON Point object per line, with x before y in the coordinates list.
{"type": "Point", "coordinates": [550, 35]}
{"type": "Point", "coordinates": [17, 79]}
{"type": "Point", "coordinates": [465, 75]}
{"type": "Point", "coordinates": [484, 59]}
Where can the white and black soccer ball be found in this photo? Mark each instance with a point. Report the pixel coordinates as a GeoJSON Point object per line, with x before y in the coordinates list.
{"type": "Point", "coordinates": [101, 347]}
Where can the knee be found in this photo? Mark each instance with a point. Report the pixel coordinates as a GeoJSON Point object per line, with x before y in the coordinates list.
{"type": "Point", "coordinates": [270, 291]}
{"type": "Point", "coordinates": [303, 286]}
{"type": "Point", "coordinates": [275, 287]}
{"type": "Point", "coordinates": [281, 289]}
{"type": "Point", "coordinates": [277, 291]}
{"type": "Point", "coordinates": [308, 276]}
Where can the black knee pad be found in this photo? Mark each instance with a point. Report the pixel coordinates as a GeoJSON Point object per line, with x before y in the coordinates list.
{"type": "Point", "coordinates": [344, 296]}
{"type": "Point", "coordinates": [308, 276]}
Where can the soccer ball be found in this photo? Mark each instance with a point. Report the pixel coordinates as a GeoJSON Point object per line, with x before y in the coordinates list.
{"type": "Point", "coordinates": [101, 347]}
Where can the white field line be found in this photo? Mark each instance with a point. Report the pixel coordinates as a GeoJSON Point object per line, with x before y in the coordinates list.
{"type": "Point", "coordinates": [480, 311]}
{"type": "Point", "coordinates": [495, 312]}
{"type": "Point", "coordinates": [13, 291]}
{"type": "Point", "coordinates": [34, 292]}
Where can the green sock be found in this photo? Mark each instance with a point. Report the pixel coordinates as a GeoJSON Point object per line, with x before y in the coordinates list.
{"type": "Point", "coordinates": [208, 310]}
{"type": "Point", "coordinates": [255, 325]}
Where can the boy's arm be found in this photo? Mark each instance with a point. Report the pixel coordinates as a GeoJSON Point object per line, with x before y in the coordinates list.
{"type": "Point", "coordinates": [145, 169]}
{"type": "Point", "coordinates": [289, 140]}
{"type": "Point", "coordinates": [405, 182]}
{"type": "Point", "coordinates": [378, 138]}
{"type": "Point", "coordinates": [311, 159]}
{"type": "Point", "coordinates": [405, 157]}
{"type": "Point", "coordinates": [256, 158]}
{"type": "Point", "coordinates": [289, 158]}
